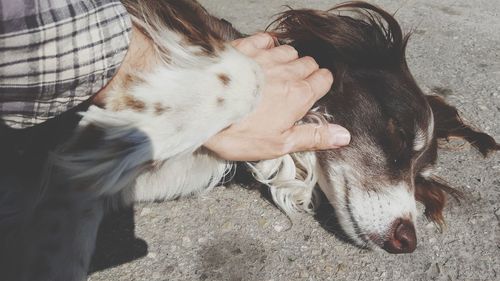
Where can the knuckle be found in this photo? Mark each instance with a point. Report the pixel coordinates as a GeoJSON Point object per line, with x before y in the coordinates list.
{"type": "Point", "coordinates": [319, 137]}
{"type": "Point", "coordinates": [310, 62]}
{"type": "Point", "coordinates": [289, 51]}
{"type": "Point", "coordinates": [307, 66]}
{"type": "Point", "coordinates": [263, 35]}
{"type": "Point", "coordinates": [326, 75]}
{"type": "Point", "coordinates": [245, 43]}
{"type": "Point", "coordinates": [291, 72]}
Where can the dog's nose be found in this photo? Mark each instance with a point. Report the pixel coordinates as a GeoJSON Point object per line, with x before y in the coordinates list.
{"type": "Point", "coordinates": [403, 238]}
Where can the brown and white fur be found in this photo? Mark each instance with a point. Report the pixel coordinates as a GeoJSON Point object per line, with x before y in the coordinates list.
{"type": "Point", "coordinates": [146, 143]}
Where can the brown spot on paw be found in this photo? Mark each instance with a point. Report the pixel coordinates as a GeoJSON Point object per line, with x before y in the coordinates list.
{"type": "Point", "coordinates": [224, 78]}
{"type": "Point", "coordinates": [124, 101]}
{"type": "Point", "coordinates": [133, 103]}
{"type": "Point", "coordinates": [220, 101]}
{"type": "Point", "coordinates": [129, 80]}
{"type": "Point", "coordinates": [160, 108]}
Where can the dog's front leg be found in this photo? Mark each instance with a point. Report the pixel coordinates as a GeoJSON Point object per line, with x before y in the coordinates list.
{"type": "Point", "coordinates": [167, 114]}
{"type": "Point", "coordinates": [180, 107]}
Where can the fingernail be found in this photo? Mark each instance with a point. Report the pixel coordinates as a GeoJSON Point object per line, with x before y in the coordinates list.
{"type": "Point", "coordinates": [339, 136]}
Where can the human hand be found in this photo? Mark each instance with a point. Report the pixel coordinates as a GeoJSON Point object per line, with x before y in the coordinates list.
{"type": "Point", "coordinates": [292, 87]}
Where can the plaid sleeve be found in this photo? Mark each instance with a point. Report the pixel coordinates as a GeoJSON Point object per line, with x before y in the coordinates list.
{"type": "Point", "coordinates": [55, 54]}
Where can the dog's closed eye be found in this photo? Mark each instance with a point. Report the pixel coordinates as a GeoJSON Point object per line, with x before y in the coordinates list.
{"type": "Point", "coordinates": [396, 144]}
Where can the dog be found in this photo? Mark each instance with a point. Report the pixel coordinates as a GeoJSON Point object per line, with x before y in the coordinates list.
{"type": "Point", "coordinates": [146, 143]}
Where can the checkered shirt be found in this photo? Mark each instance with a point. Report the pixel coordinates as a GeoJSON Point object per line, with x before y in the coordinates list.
{"type": "Point", "coordinates": [55, 54]}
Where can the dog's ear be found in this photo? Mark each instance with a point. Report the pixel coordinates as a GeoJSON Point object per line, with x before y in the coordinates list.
{"type": "Point", "coordinates": [447, 123]}
{"type": "Point", "coordinates": [432, 193]}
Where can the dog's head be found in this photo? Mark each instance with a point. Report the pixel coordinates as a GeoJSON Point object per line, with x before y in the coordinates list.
{"type": "Point", "coordinates": [374, 182]}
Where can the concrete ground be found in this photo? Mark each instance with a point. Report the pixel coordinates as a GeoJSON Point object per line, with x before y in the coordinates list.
{"type": "Point", "coordinates": [235, 234]}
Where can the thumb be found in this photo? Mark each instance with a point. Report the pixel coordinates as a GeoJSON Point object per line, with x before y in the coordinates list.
{"type": "Point", "coordinates": [317, 137]}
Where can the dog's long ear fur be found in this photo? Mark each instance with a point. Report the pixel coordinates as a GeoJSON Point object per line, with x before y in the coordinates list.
{"type": "Point", "coordinates": [447, 123]}
{"type": "Point", "coordinates": [372, 39]}
{"type": "Point", "coordinates": [432, 193]}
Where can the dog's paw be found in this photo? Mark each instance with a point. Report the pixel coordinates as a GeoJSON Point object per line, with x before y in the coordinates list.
{"type": "Point", "coordinates": [180, 106]}
{"type": "Point", "coordinates": [241, 80]}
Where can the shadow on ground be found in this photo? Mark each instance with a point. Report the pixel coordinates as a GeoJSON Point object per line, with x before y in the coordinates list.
{"type": "Point", "coordinates": [116, 241]}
